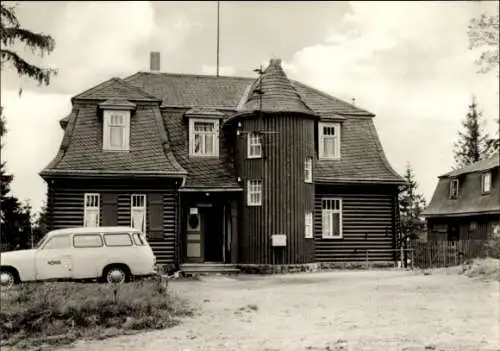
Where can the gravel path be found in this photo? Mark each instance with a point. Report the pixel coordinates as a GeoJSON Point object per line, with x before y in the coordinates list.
{"type": "Point", "coordinates": [348, 310]}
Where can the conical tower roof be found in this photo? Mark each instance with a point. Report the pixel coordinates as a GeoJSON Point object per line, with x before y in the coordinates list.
{"type": "Point", "coordinates": [276, 91]}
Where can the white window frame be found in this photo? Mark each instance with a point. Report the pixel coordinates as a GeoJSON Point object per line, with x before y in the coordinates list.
{"type": "Point", "coordinates": [308, 170]}
{"type": "Point", "coordinates": [485, 176]}
{"type": "Point", "coordinates": [143, 208]}
{"type": "Point", "coordinates": [327, 233]}
{"type": "Point", "coordinates": [322, 138]}
{"type": "Point", "coordinates": [254, 187]}
{"type": "Point", "coordinates": [91, 202]}
{"type": "Point", "coordinates": [254, 145]}
{"type": "Point", "coordinates": [106, 138]}
{"type": "Point", "coordinates": [452, 182]}
{"type": "Point", "coordinates": [308, 225]}
{"type": "Point", "coordinates": [215, 136]}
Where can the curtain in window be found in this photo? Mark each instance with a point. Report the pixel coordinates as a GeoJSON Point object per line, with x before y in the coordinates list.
{"type": "Point", "coordinates": [91, 217]}
{"type": "Point", "coordinates": [116, 136]}
{"type": "Point", "coordinates": [138, 219]}
{"type": "Point", "coordinates": [327, 223]}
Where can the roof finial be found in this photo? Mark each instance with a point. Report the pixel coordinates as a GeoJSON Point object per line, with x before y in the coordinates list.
{"type": "Point", "coordinates": [353, 101]}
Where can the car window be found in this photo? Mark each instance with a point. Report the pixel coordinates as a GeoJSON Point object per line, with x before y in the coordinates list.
{"type": "Point", "coordinates": [58, 242]}
{"type": "Point", "coordinates": [117, 239]}
{"type": "Point", "coordinates": [87, 240]}
{"type": "Point", "coordinates": [138, 239]}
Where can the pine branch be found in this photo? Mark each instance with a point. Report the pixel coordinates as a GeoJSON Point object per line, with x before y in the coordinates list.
{"type": "Point", "coordinates": [36, 41]}
{"type": "Point", "coordinates": [42, 75]}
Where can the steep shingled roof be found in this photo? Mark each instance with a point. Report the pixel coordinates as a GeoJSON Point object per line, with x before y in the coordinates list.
{"type": "Point", "coordinates": [362, 156]}
{"type": "Point", "coordinates": [275, 92]}
{"type": "Point", "coordinates": [470, 199]}
{"type": "Point", "coordinates": [81, 149]}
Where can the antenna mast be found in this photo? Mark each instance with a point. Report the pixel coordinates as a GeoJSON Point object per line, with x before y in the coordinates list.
{"type": "Point", "coordinates": [218, 31]}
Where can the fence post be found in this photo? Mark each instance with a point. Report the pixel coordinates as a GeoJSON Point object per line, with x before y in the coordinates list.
{"type": "Point", "coordinates": [412, 256]}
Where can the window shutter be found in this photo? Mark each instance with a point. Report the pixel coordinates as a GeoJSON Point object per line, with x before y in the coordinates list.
{"type": "Point", "coordinates": [155, 216]}
{"type": "Point", "coordinates": [109, 209]}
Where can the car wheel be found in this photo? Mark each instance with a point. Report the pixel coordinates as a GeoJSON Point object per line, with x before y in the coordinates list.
{"type": "Point", "coordinates": [7, 279]}
{"type": "Point", "coordinates": [116, 275]}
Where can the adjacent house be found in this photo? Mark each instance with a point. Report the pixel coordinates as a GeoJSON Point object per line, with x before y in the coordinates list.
{"type": "Point", "coordinates": [466, 203]}
{"type": "Point", "coordinates": [226, 169]}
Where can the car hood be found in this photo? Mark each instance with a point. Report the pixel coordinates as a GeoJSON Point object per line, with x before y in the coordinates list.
{"type": "Point", "coordinates": [15, 256]}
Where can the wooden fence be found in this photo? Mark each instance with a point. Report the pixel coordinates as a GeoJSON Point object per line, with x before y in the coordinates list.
{"type": "Point", "coordinates": [439, 254]}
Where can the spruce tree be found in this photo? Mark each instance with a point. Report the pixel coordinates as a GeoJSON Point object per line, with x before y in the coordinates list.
{"type": "Point", "coordinates": [411, 205]}
{"type": "Point", "coordinates": [472, 141]}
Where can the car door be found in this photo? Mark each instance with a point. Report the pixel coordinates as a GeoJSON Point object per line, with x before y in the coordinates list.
{"type": "Point", "coordinates": [53, 260]}
{"type": "Point", "coordinates": [88, 255]}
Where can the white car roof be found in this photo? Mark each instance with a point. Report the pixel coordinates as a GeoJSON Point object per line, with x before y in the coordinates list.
{"type": "Point", "coordinates": [92, 230]}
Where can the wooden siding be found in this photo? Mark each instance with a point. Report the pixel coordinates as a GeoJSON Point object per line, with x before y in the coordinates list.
{"type": "Point", "coordinates": [66, 207]}
{"type": "Point", "coordinates": [285, 195]}
{"type": "Point", "coordinates": [478, 227]}
{"type": "Point", "coordinates": [368, 224]}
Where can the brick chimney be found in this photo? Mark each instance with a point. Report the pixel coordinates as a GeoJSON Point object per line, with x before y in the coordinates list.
{"type": "Point", "coordinates": [154, 65]}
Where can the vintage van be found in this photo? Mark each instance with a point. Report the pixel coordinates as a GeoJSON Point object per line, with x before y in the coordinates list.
{"type": "Point", "coordinates": [112, 254]}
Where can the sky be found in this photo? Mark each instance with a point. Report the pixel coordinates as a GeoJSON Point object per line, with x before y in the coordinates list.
{"type": "Point", "coordinates": [409, 63]}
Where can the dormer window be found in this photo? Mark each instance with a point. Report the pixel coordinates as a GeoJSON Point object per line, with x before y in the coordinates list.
{"type": "Point", "coordinates": [116, 130]}
{"type": "Point", "coordinates": [453, 188]}
{"type": "Point", "coordinates": [486, 182]}
{"type": "Point", "coordinates": [329, 141]}
{"type": "Point", "coordinates": [254, 146]}
{"type": "Point", "coordinates": [203, 137]}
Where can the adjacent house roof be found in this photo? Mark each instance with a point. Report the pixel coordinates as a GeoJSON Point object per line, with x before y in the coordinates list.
{"type": "Point", "coordinates": [471, 200]}
{"type": "Point", "coordinates": [164, 149]}
{"type": "Point", "coordinates": [483, 165]}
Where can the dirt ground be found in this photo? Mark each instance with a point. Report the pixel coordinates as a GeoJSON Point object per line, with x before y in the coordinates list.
{"type": "Point", "coordinates": [346, 310]}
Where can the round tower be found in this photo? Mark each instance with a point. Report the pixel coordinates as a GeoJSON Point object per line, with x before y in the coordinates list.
{"type": "Point", "coordinates": [275, 163]}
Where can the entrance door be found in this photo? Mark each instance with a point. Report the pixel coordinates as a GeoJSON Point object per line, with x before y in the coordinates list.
{"type": "Point", "coordinates": [194, 243]}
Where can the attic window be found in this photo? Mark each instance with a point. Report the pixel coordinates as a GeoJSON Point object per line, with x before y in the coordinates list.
{"type": "Point", "coordinates": [203, 137]}
{"type": "Point", "coordinates": [486, 182]}
{"type": "Point", "coordinates": [453, 188]}
{"type": "Point", "coordinates": [329, 141]}
{"type": "Point", "coordinates": [116, 130]}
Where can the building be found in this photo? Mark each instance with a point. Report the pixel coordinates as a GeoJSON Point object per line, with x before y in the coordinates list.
{"type": "Point", "coordinates": [466, 203]}
{"type": "Point", "coordinates": [226, 169]}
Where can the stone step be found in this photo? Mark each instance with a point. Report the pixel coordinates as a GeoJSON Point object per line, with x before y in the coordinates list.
{"type": "Point", "coordinates": [208, 268]}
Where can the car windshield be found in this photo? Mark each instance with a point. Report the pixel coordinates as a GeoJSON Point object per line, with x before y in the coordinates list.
{"type": "Point", "coordinates": [41, 241]}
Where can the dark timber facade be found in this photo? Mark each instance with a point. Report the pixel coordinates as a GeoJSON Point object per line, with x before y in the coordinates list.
{"type": "Point", "coordinates": [226, 169]}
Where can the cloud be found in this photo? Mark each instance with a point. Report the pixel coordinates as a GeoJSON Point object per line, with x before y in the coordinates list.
{"type": "Point", "coordinates": [414, 70]}
{"type": "Point", "coordinates": [32, 139]}
{"type": "Point", "coordinates": [212, 69]}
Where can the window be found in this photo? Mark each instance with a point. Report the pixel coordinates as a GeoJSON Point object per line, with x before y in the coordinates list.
{"type": "Point", "coordinates": [91, 210]}
{"type": "Point", "coordinates": [486, 182]}
{"type": "Point", "coordinates": [204, 137]}
{"type": "Point", "coordinates": [329, 140]}
{"type": "Point", "coordinates": [308, 225]}
{"type": "Point", "coordinates": [308, 170]}
{"type": "Point", "coordinates": [138, 212]}
{"type": "Point", "coordinates": [116, 130]}
{"type": "Point", "coordinates": [254, 145]}
{"type": "Point", "coordinates": [254, 193]}
{"type": "Point", "coordinates": [138, 239]}
{"type": "Point", "coordinates": [453, 188]}
{"type": "Point", "coordinates": [58, 242]}
{"type": "Point", "coordinates": [118, 239]}
{"type": "Point", "coordinates": [332, 218]}
{"type": "Point", "coordinates": [87, 240]}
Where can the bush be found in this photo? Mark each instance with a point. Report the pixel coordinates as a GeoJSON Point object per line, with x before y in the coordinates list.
{"type": "Point", "coordinates": [65, 311]}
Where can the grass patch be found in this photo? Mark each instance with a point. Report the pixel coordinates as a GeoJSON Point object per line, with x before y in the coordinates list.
{"type": "Point", "coordinates": [59, 313]}
{"type": "Point", "coordinates": [486, 268]}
